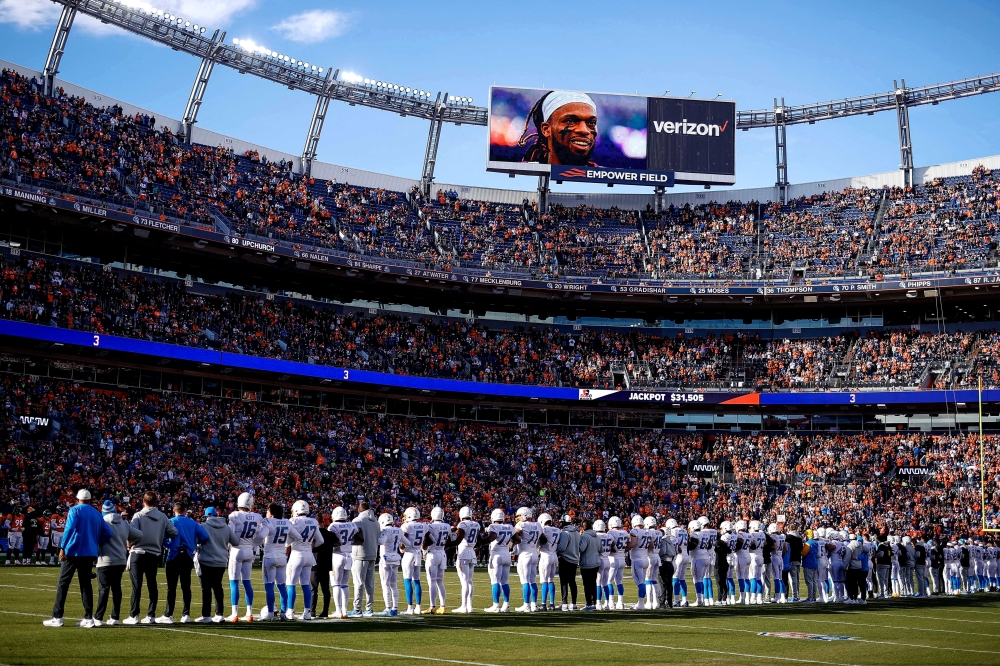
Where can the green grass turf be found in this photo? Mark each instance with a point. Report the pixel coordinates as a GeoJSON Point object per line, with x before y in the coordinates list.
{"type": "Point", "coordinates": [954, 630]}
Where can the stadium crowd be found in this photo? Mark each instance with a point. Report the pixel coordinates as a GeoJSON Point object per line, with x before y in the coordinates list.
{"type": "Point", "coordinates": [63, 144]}
{"type": "Point", "coordinates": [85, 297]}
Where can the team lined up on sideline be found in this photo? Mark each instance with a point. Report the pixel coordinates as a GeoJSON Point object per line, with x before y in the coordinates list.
{"type": "Point", "coordinates": [740, 563]}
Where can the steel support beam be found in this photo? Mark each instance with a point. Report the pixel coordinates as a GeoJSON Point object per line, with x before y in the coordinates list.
{"type": "Point", "coordinates": [316, 124]}
{"type": "Point", "coordinates": [905, 143]}
{"type": "Point", "coordinates": [197, 95]}
{"type": "Point", "coordinates": [659, 191]}
{"type": "Point", "coordinates": [781, 150]}
{"type": "Point", "coordinates": [58, 47]}
{"type": "Point", "coordinates": [543, 194]}
{"type": "Point", "coordinates": [430, 153]}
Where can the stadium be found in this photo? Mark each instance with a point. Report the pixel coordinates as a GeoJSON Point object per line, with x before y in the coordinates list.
{"type": "Point", "coordinates": [362, 415]}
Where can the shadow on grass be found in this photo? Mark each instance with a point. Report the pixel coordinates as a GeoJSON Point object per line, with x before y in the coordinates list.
{"type": "Point", "coordinates": [526, 622]}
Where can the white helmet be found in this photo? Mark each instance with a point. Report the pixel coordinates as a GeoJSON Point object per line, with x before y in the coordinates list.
{"type": "Point", "coordinates": [465, 513]}
{"type": "Point", "coordinates": [740, 526]}
{"type": "Point", "coordinates": [907, 539]}
{"type": "Point", "coordinates": [300, 508]}
{"type": "Point", "coordinates": [703, 521]}
{"type": "Point", "coordinates": [754, 525]}
{"type": "Point", "coordinates": [671, 524]}
{"type": "Point", "coordinates": [567, 519]}
{"type": "Point", "coordinates": [821, 532]}
{"type": "Point", "coordinates": [411, 513]}
{"type": "Point", "coordinates": [385, 520]}
{"type": "Point", "coordinates": [599, 526]}
{"type": "Point", "coordinates": [649, 523]}
{"type": "Point", "coordinates": [545, 518]}
{"type": "Point", "coordinates": [694, 526]}
{"type": "Point", "coordinates": [524, 513]}
{"type": "Point", "coordinates": [614, 523]}
{"type": "Point", "coordinates": [339, 515]}
{"type": "Point", "coordinates": [772, 528]}
{"type": "Point", "coordinates": [726, 527]}
{"type": "Point", "coordinates": [244, 501]}
{"type": "Point", "coordinates": [636, 520]}
{"type": "Point", "coordinates": [497, 516]}
{"type": "Point", "coordinates": [437, 513]}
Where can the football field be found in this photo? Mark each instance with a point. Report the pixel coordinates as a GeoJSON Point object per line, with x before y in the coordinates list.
{"type": "Point", "coordinates": [953, 630]}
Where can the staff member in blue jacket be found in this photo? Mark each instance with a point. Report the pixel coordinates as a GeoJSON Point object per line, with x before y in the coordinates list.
{"type": "Point", "coordinates": [180, 561]}
{"type": "Point", "coordinates": [85, 532]}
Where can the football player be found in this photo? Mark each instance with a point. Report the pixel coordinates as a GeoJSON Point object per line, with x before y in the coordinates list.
{"type": "Point", "coordinates": [349, 535]}
{"type": "Point", "coordinates": [743, 561]}
{"type": "Point", "coordinates": [823, 566]}
{"type": "Point", "coordinates": [57, 526]}
{"type": "Point", "coordinates": [15, 538]}
{"type": "Point", "coordinates": [837, 547]}
{"type": "Point", "coordinates": [734, 544]}
{"type": "Point", "coordinates": [500, 536]}
{"type": "Point", "coordinates": [281, 534]}
{"type": "Point", "coordinates": [653, 568]}
{"type": "Point", "coordinates": [301, 560]}
{"type": "Point", "coordinates": [757, 540]}
{"type": "Point", "coordinates": [250, 529]}
{"type": "Point", "coordinates": [639, 544]}
{"type": "Point", "coordinates": [616, 574]}
{"type": "Point", "coordinates": [701, 562]}
{"type": "Point", "coordinates": [527, 558]}
{"type": "Point", "coordinates": [607, 545]}
{"type": "Point", "coordinates": [438, 536]}
{"type": "Point", "coordinates": [548, 560]}
{"type": "Point", "coordinates": [414, 531]}
{"type": "Point", "coordinates": [44, 554]}
{"type": "Point", "coordinates": [681, 560]}
{"type": "Point", "coordinates": [390, 541]}
{"type": "Point", "coordinates": [778, 541]}
{"type": "Point", "coordinates": [467, 535]}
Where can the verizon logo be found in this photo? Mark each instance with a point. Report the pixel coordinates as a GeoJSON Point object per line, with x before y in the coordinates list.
{"type": "Point", "coordinates": [693, 129]}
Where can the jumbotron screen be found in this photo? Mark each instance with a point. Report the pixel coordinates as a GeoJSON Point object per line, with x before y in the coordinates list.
{"type": "Point", "coordinates": [612, 138]}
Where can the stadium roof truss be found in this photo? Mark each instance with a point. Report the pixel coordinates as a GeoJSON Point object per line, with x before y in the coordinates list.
{"type": "Point", "coordinates": [326, 86]}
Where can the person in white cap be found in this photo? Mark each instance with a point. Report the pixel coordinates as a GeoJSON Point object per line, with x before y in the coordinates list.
{"type": "Point", "coordinates": [565, 129]}
{"type": "Point", "coordinates": [85, 532]}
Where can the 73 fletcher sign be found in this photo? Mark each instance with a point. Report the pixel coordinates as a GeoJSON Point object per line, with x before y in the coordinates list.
{"type": "Point", "coordinates": [579, 174]}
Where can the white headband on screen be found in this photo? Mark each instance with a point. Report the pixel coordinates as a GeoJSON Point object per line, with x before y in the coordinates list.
{"type": "Point", "coordinates": [558, 98]}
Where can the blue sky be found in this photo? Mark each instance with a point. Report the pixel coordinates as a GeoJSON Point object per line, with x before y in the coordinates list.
{"type": "Point", "coordinates": [804, 52]}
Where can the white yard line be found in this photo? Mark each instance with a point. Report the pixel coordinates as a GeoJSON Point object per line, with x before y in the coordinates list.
{"type": "Point", "coordinates": [639, 645]}
{"type": "Point", "coordinates": [930, 617]}
{"type": "Point", "coordinates": [324, 647]}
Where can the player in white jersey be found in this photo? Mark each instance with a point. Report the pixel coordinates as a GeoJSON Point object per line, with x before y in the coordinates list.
{"type": "Point", "coordinates": [301, 560]}
{"type": "Point", "coordinates": [617, 562]}
{"type": "Point", "coordinates": [653, 567]}
{"type": "Point", "coordinates": [349, 535]}
{"type": "Point", "coordinates": [414, 531]}
{"type": "Point", "coordinates": [548, 560]}
{"type": "Point", "coordinates": [679, 535]}
{"type": "Point", "coordinates": [823, 565]}
{"type": "Point", "coordinates": [527, 558]}
{"type": "Point", "coordinates": [467, 534]}
{"type": "Point", "coordinates": [701, 561]}
{"type": "Point", "coordinates": [281, 534]}
{"type": "Point", "coordinates": [757, 540]}
{"type": "Point", "coordinates": [730, 539]}
{"type": "Point", "coordinates": [710, 575]}
{"type": "Point", "coordinates": [250, 529]}
{"type": "Point", "coordinates": [390, 540]}
{"type": "Point", "coordinates": [438, 536]}
{"type": "Point", "coordinates": [978, 561]}
{"type": "Point", "coordinates": [500, 536]}
{"type": "Point", "coordinates": [991, 566]}
{"type": "Point", "coordinates": [639, 544]}
{"type": "Point", "coordinates": [953, 568]}
{"type": "Point", "coordinates": [606, 546]}
{"type": "Point", "coordinates": [777, 559]}
{"type": "Point", "coordinates": [837, 547]}
{"type": "Point", "coordinates": [743, 560]}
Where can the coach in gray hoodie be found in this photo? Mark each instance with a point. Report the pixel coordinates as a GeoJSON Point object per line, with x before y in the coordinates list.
{"type": "Point", "coordinates": [144, 558]}
{"type": "Point", "coordinates": [568, 551]}
{"type": "Point", "coordinates": [111, 558]}
{"type": "Point", "coordinates": [213, 558]}
{"type": "Point", "coordinates": [365, 556]}
{"type": "Point", "coordinates": [590, 560]}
